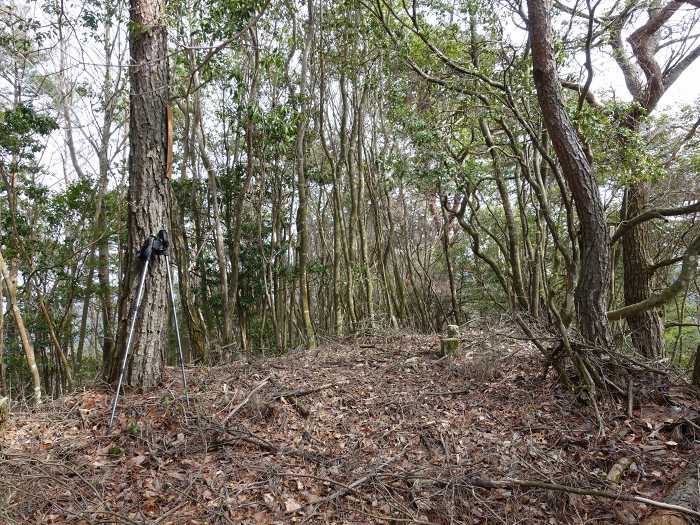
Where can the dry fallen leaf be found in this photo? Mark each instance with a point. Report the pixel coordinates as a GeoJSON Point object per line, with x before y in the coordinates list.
{"type": "Point", "coordinates": [137, 460]}
{"type": "Point", "coordinates": [290, 505]}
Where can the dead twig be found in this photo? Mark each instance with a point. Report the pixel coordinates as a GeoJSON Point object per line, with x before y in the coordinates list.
{"type": "Point", "coordinates": [630, 398]}
{"type": "Point", "coordinates": [247, 398]}
{"type": "Point", "coordinates": [352, 486]}
{"type": "Point", "coordinates": [302, 392]}
{"type": "Point", "coordinates": [511, 483]}
{"type": "Point", "coordinates": [449, 392]}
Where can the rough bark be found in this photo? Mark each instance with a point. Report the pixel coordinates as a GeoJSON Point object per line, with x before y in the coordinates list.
{"type": "Point", "coordinates": [646, 326]}
{"type": "Point", "coordinates": [696, 368]}
{"type": "Point", "coordinates": [591, 295]}
{"type": "Point", "coordinates": [148, 195]}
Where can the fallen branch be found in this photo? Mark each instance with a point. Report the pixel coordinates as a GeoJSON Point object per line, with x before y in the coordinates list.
{"type": "Point", "coordinates": [302, 392]}
{"type": "Point", "coordinates": [244, 435]}
{"type": "Point", "coordinates": [247, 398]}
{"type": "Point", "coordinates": [449, 392]}
{"type": "Point", "coordinates": [511, 483]}
{"type": "Point", "coordinates": [352, 486]}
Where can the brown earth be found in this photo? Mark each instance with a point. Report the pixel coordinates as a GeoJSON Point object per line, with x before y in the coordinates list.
{"type": "Point", "coordinates": [372, 430]}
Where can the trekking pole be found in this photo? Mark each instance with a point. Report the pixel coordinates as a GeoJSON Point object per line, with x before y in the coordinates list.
{"type": "Point", "coordinates": [145, 255]}
{"type": "Point", "coordinates": [163, 237]}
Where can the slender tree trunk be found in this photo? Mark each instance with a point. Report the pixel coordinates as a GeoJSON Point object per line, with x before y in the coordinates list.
{"type": "Point", "coordinates": [514, 241]}
{"type": "Point", "coordinates": [82, 337]}
{"type": "Point", "coordinates": [448, 264]}
{"type": "Point", "coordinates": [105, 287]}
{"type": "Point", "coordinates": [195, 328]}
{"type": "Point", "coordinates": [148, 195]}
{"type": "Point", "coordinates": [302, 223]}
{"type": "Point", "coordinates": [212, 187]}
{"type": "Point", "coordinates": [3, 384]}
{"type": "Point", "coordinates": [60, 354]}
{"type": "Point", "coordinates": [347, 227]}
{"type": "Point", "coordinates": [10, 286]}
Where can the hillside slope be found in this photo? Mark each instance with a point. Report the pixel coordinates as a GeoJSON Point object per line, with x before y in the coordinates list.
{"type": "Point", "coordinates": [374, 430]}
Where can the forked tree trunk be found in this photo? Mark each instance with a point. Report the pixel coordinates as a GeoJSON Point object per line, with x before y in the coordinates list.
{"type": "Point", "coordinates": [148, 196]}
{"type": "Point", "coordinates": [647, 84]}
{"type": "Point", "coordinates": [65, 368]}
{"type": "Point", "coordinates": [591, 295]}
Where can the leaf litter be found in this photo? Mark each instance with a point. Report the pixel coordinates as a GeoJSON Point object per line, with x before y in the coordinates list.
{"type": "Point", "coordinates": [366, 430]}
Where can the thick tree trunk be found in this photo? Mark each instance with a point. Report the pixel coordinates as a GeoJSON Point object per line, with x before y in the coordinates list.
{"type": "Point", "coordinates": [696, 368]}
{"type": "Point", "coordinates": [591, 295]}
{"type": "Point", "coordinates": [680, 284]}
{"type": "Point", "coordinates": [645, 326]}
{"type": "Point", "coordinates": [647, 84]}
{"type": "Point", "coordinates": [149, 194]}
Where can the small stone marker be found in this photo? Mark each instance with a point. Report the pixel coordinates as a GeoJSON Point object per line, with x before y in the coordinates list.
{"type": "Point", "coordinates": [450, 344]}
{"type": "Point", "coordinates": [4, 411]}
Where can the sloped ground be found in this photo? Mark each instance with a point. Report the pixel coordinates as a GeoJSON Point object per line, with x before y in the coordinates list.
{"type": "Point", "coordinates": [376, 430]}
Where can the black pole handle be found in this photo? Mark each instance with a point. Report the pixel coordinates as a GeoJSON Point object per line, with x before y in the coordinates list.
{"type": "Point", "coordinates": [147, 249]}
{"type": "Point", "coordinates": [154, 245]}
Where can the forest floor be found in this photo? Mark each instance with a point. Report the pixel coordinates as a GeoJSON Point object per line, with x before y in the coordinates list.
{"type": "Point", "coordinates": [369, 430]}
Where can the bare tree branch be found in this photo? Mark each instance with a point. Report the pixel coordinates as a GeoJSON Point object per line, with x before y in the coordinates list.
{"type": "Point", "coordinates": [656, 213]}
{"type": "Point", "coordinates": [688, 270]}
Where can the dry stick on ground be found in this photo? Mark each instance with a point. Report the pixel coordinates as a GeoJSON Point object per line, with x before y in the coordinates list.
{"type": "Point", "coordinates": [247, 398]}
{"type": "Point", "coordinates": [250, 438]}
{"type": "Point", "coordinates": [352, 486]}
{"type": "Point", "coordinates": [511, 483]}
{"type": "Point", "coordinates": [449, 392]}
{"type": "Point", "coordinates": [303, 392]}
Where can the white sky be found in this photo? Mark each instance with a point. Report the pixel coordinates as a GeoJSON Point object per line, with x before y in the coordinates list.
{"type": "Point", "coordinates": [607, 83]}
